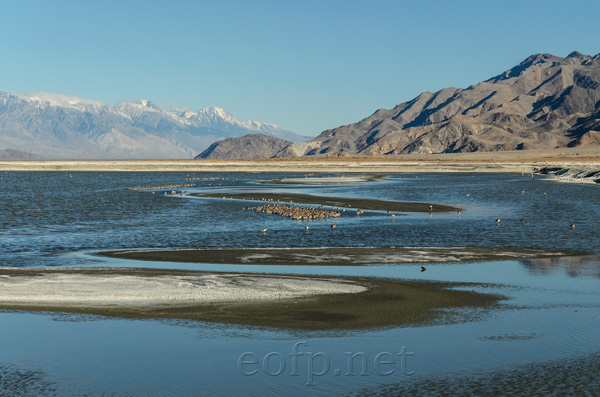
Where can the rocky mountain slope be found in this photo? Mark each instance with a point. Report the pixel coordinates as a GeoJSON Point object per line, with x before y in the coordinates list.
{"type": "Point", "coordinates": [251, 146]}
{"type": "Point", "coordinates": [544, 102]}
{"type": "Point", "coordinates": [59, 126]}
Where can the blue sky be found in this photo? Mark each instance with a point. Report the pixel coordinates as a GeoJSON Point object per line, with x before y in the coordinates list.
{"type": "Point", "coordinates": [304, 65]}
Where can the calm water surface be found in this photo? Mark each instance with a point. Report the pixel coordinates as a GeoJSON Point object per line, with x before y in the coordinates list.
{"type": "Point", "coordinates": [63, 219]}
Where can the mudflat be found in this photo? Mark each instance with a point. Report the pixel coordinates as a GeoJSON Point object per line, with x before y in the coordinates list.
{"type": "Point", "coordinates": [285, 198]}
{"type": "Point", "coordinates": [296, 302]}
{"type": "Point", "coordinates": [333, 256]}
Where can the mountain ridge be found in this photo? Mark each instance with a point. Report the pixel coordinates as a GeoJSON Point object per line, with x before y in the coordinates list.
{"type": "Point", "coordinates": [543, 102]}
{"type": "Point", "coordinates": [61, 126]}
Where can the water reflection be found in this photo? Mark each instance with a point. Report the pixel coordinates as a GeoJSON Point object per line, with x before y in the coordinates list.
{"type": "Point", "coordinates": [573, 266]}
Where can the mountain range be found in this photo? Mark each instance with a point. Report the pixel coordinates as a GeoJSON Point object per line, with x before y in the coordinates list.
{"type": "Point", "coordinates": [60, 126]}
{"type": "Point", "coordinates": [544, 102]}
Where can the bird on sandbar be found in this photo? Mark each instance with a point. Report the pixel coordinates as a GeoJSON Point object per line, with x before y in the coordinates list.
{"type": "Point", "coordinates": [423, 268]}
{"type": "Point", "coordinates": [263, 230]}
{"type": "Point", "coordinates": [431, 208]}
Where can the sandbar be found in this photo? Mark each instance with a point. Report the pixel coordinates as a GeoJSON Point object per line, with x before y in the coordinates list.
{"type": "Point", "coordinates": [346, 202]}
{"type": "Point", "coordinates": [334, 256]}
{"type": "Point", "coordinates": [265, 300]}
{"type": "Point", "coordinates": [324, 180]}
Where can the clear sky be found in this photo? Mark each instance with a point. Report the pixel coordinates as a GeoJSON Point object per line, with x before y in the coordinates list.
{"type": "Point", "coordinates": [304, 65]}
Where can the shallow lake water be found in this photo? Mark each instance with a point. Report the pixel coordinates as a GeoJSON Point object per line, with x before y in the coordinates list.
{"type": "Point", "coordinates": [549, 322]}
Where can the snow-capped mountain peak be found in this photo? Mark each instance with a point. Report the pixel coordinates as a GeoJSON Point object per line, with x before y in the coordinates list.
{"type": "Point", "coordinates": [56, 125]}
{"type": "Point", "coordinates": [59, 100]}
{"type": "Point", "coordinates": [214, 113]}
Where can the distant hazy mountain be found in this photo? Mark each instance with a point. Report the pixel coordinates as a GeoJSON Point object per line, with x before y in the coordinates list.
{"type": "Point", "coordinates": [544, 102]}
{"type": "Point", "coordinates": [11, 154]}
{"type": "Point", "coordinates": [251, 146]}
{"type": "Point", "coordinates": [60, 126]}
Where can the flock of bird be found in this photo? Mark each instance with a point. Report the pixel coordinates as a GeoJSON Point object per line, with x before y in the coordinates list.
{"type": "Point", "coordinates": [297, 212]}
{"type": "Point", "coordinates": [159, 187]}
{"type": "Point", "coordinates": [310, 213]}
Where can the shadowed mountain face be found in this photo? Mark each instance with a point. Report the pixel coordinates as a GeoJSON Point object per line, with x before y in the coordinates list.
{"type": "Point", "coordinates": [59, 126]}
{"type": "Point", "coordinates": [11, 154]}
{"type": "Point", "coordinates": [251, 146]}
{"type": "Point", "coordinates": [542, 103]}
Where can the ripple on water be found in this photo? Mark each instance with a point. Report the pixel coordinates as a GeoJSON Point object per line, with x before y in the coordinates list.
{"type": "Point", "coordinates": [564, 377]}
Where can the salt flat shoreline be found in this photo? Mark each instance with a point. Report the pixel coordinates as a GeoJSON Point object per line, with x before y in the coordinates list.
{"type": "Point", "coordinates": [250, 166]}
{"type": "Point", "coordinates": [510, 162]}
{"type": "Point", "coordinates": [363, 166]}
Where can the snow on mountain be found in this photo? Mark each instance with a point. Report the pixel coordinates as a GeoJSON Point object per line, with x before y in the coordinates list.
{"type": "Point", "coordinates": [62, 126]}
{"type": "Point", "coordinates": [57, 99]}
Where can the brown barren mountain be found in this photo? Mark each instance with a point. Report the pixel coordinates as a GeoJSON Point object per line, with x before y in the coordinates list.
{"type": "Point", "coordinates": [544, 102]}
{"type": "Point", "coordinates": [251, 146]}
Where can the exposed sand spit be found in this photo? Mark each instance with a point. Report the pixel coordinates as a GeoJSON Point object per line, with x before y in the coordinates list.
{"type": "Point", "coordinates": [299, 302]}
{"type": "Point", "coordinates": [334, 256]}
{"type": "Point", "coordinates": [355, 204]}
